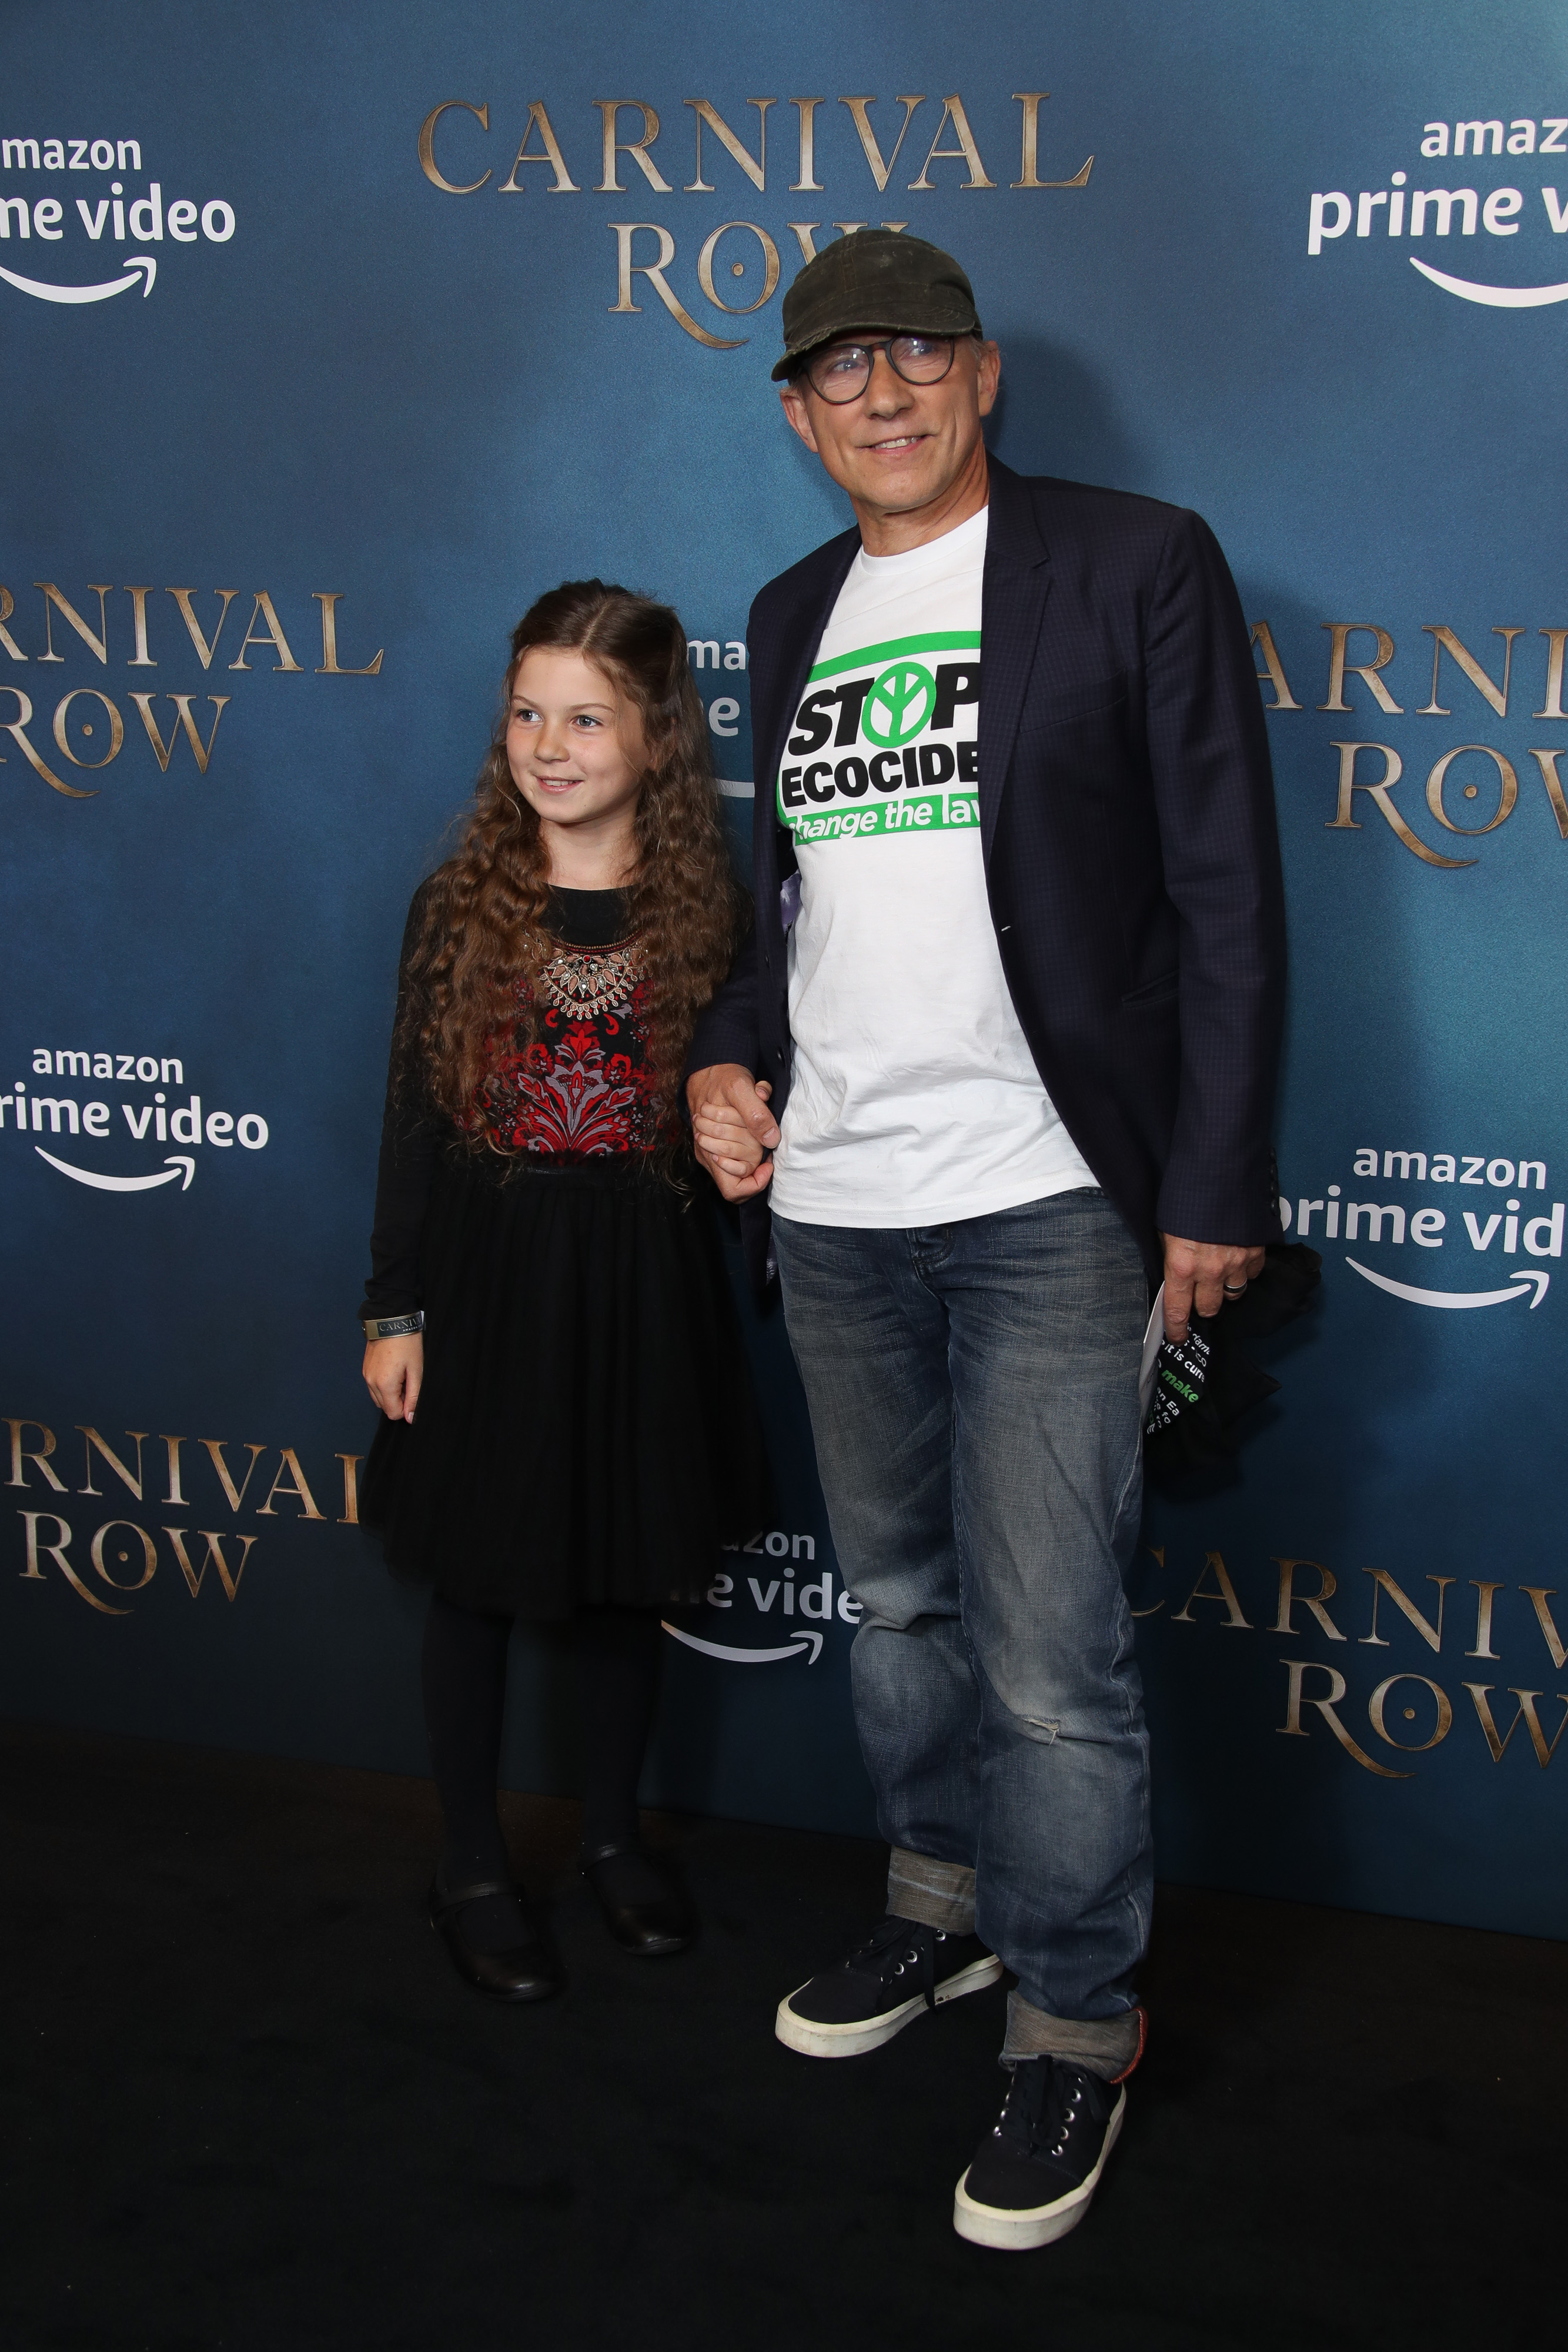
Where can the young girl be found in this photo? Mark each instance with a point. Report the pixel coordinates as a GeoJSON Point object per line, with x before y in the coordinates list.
{"type": "Point", "coordinates": [569, 1429]}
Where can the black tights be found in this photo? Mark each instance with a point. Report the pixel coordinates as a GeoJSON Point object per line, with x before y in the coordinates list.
{"type": "Point", "coordinates": [463, 1668]}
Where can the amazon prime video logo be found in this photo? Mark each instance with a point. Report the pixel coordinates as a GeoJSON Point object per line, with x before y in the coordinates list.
{"type": "Point", "coordinates": [130, 210]}
{"type": "Point", "coordinates": [1405, 212]}
{"type": "Point", "coordinates": [93, 1145]}
{"type": "Point", "coordinates": [782, 1594]}
{"type": "Point", "coordinates": [1504, 1221]}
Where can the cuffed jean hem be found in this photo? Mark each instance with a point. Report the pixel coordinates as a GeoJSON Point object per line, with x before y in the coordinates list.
{"type": "Point", "coordinates": [1107, 2046]}
{"type": "Point", "coordinates": [937, 1893]}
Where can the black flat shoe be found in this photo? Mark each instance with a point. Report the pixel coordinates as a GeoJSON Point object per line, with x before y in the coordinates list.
{"type": "Point", "coordinates": [647, 1924]}
{"type": "Point", "coordinates": [527, 1970]}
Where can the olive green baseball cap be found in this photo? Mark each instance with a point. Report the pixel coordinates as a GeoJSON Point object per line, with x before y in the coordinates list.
{"type": "Point", "coordinates": [875, 277]}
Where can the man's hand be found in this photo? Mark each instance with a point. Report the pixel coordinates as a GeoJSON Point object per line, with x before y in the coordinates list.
{"type": "Point", "coordinates": [732, 1129]}
{"type": "Point", "coordinates": [394, 1374]}
{"type": "Point", "coordinates": [1201, 1276]}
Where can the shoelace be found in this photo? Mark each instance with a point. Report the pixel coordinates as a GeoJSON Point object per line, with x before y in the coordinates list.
{"type": "Point", "coordinates": [919, 1953]}
{"type": "Point", "coordinates": [1045, 2102]}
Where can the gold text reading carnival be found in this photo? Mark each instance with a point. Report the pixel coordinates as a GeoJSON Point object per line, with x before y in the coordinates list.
{"type": "Point", "coordinates": [82, 712]}
{"type": "Point", "coordinates": [121, 1555]}
{"type": "Point", "coordinates": [1407, 1712]}
{"type": "Point", "coordinates": [1462, 772]}
{"type": "Point", "coordinates": [631, 141]}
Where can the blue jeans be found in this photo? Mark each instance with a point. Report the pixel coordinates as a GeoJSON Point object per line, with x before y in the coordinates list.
{"type": "Point", "coordinates": [974, 1397]}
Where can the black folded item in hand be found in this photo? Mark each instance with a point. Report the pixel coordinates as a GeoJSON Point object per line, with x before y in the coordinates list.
{"type": "Point", "coordinates": [1204, 1384]}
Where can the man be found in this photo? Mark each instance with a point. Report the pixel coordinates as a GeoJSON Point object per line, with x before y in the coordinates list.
{"type": "Point", "coordinates": [1009, 1035]}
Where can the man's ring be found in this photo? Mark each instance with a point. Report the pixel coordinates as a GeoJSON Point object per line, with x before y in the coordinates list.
{"type": "Point", "coordinates": [1234, 1289]}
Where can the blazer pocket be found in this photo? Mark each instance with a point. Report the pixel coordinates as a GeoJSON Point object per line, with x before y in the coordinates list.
{"type": "Point", "coordinates": [1154, 993]}
{"type": "Point", "coordinates": [1046, 710]}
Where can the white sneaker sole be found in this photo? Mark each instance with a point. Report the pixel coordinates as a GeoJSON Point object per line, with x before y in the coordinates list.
{"type": "Point", "coordinates": [817, 2040]}
{"type": "Point", "coordinates": [1013, 2231]}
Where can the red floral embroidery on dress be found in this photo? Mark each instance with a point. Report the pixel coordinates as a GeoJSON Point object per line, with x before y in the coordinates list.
{"type": "Point", "coordinates": [583, 1089]}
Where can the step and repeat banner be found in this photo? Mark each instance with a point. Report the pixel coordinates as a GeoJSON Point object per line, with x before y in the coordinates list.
{"type": "Point", "coordinates": [334, 336]}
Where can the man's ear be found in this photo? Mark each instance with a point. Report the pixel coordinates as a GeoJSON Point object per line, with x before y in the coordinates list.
{"type": "Point", "coordinates": [792, 401]}
{"type": "Point", "coordinates": [989, 375]}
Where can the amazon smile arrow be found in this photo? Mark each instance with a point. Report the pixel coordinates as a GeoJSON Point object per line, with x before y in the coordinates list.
{"type": "Point", "coordinates": [172, 1166]}
{"type": "Point", "coordinates": [1522, 1280]}
{"type": "Point", "coordinates": [1496, 297]}
{"type": "Point", "coordinates": [135, 263]}
{"type": "Point", "coordinates": [750, 1657]}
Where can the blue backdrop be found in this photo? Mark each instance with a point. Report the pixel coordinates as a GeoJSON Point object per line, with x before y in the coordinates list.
{"type": "Point", "coordinates": [332, 337]}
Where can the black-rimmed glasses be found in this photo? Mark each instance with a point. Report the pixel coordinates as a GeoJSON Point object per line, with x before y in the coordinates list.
{"type": "Point", "coordinates": [840, 372]}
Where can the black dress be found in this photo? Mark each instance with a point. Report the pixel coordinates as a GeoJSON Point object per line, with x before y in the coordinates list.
{"type": "Point", "coordinates": [586, 1432]}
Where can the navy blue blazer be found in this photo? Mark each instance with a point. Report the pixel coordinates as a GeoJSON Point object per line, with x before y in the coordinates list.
{"type": "Point", "coordinates": [1131, 858]}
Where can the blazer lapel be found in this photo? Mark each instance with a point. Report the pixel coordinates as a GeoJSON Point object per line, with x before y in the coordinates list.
{"type": "Point", "coordinates": [801, 632]}
{"type": "Point", "coordinates": [1016, 587]}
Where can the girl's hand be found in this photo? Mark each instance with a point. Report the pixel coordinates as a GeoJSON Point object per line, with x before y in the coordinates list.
{"type": "Point", "coordinates": [724, 1141]}
{"type": "Point", "coordinates": [394, 1373]}
{"type": "Point", "coordinates": [733, 1131]}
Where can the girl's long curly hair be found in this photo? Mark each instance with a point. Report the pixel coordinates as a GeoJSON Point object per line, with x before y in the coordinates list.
{"type": "Point", "coordinates": [475, 993]}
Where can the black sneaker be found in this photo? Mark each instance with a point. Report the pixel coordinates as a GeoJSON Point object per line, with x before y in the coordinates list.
{"type": "Point", "coordinates": [1034, 2174]}
{"type": "Point", "coordinates": [902, 1969]}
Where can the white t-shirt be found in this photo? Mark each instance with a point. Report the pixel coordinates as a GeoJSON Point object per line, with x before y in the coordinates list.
{"type": "Point", "coordinates": [915, 1099]}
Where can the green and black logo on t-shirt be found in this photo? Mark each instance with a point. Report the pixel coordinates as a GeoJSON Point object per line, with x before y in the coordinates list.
{"type": "Point", "coordinates": [885, 740]}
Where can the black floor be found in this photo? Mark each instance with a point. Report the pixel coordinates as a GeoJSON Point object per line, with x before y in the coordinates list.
{"type": "Point", "coordinates": [248, 2105]}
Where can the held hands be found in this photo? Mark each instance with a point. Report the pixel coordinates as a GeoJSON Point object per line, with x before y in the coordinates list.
{"type": "Point", "coordinates": [394, 1373]}
{"type": "Point", "coordinates": [1202, 1276]}
{"type": "Point", "coordinates": [733, 1129]}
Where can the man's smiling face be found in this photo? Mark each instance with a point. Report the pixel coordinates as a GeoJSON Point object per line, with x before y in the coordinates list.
{"type": "Point", "coordinates": [901, 449]}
